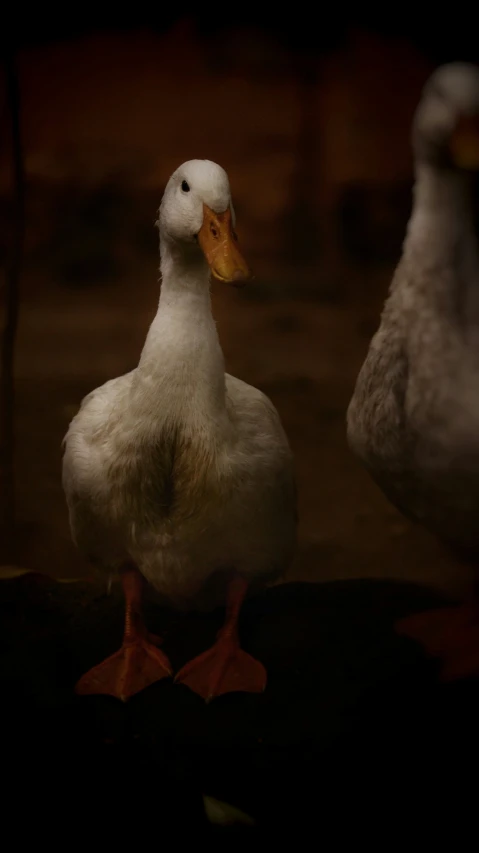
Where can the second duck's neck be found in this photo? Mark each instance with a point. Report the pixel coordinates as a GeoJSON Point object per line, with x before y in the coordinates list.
{"type": "Point", "coordinates": [182, 359]}
{"type": "Point", "coordinates": [442, 222]}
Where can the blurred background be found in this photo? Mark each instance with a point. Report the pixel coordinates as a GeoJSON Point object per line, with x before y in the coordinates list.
{"type": "Point", "coordinates": [310, 115]}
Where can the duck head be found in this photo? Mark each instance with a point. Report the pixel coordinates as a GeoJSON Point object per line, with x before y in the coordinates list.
{"type": "Point", "coordinates": [197, 216]}
{"type": "Point", "coordinates": [446, 124]}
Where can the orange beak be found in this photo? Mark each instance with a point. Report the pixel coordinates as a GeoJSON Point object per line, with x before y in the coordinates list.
{"type": "Point", "coordinates": [464, 146]}
{"type": "Point", "coordinates": [219, 244]}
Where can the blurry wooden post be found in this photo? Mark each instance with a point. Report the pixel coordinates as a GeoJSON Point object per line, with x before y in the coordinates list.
{"type": "Point", "coordinates": [304, 233]}
{"type": "Point", "coordinates": [9, 318]}
{"type": "Point", "coordinates": [312, 242]}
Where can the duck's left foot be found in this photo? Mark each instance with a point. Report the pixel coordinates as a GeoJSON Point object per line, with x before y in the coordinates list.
{"type": "Point", "coordinates": [139, 662]}
{"type": "Point", "coordinates": [225, 668]}
{"type": "Point", "coordinates": [450, 634]}
{"type": "Point", "coordinates": [135, 666]}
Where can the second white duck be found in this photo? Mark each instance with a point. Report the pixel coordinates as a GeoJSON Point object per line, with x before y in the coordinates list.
{"type": "Point", "coordinates": [414, 416]}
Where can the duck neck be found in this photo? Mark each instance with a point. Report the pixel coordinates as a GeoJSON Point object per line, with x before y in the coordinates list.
{"type": "Point", "coordinates": [181, 368]}
{"type": "Point", "coordinates": [441, 228]}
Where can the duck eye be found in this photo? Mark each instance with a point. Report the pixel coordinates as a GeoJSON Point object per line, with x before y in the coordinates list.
{"type": "Point", "coordinates": [185, 187]}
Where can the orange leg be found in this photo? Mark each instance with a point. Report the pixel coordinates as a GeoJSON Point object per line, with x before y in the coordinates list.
{"type": "Point", "coordinates": [450, 634]}
{"type": "Point", "coordinates": [138, 663]}
{"type": "Point", "coordinates": [225, 667]}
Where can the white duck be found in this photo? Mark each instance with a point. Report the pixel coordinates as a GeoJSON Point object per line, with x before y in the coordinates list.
{"type": "Point", "coordinates": [178, 472]}
{"type": "Point", "coordinates": [414, 416]}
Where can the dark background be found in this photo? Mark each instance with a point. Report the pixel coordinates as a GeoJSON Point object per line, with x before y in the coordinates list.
{"type": "Point", "coordinates": [310, 115]}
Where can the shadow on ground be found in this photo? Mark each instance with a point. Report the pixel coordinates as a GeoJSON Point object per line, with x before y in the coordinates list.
{"type": "Point", "coordinates": [353, 736]}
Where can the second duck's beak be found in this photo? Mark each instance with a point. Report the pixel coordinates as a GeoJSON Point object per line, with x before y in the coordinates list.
{"type": "Point", "coordinates": [219, 244]}
{"type": "Point", "coordinates": [464, 146]}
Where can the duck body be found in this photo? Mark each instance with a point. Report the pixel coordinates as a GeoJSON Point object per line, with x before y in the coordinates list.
{"type": "Point", "coordinates": [200, 482]}
{"type": "Point", "coordinates": [414, 416]}
{"type": "Point", "coordinates": [176, 472]}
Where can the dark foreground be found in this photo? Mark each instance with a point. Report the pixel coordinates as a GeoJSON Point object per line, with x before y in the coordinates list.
{"type": "Point", "coordinates": [353, 739]}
